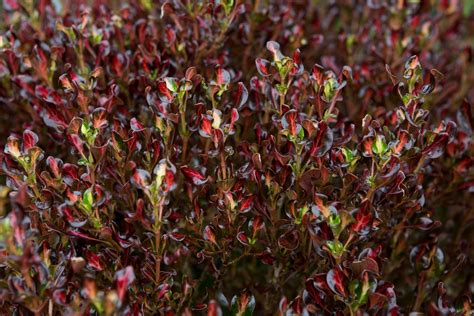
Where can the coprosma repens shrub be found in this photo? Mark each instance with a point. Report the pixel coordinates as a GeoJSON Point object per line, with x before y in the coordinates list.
{"type": "Point", "coordinates": [236, 157]}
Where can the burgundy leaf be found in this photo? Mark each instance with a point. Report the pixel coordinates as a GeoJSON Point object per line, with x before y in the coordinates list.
{"type": "Point", "coordinates": [437, 147]}
{"type": "Point", "coordinates": [323, 141]}
{"type": "Point", "coordinates": [177, 236]}
{"type": "Point", "coordinates": [77, 142]}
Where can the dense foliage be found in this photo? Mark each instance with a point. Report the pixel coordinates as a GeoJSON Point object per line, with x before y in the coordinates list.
{"type": "Point", "coordinates": [235, 157]}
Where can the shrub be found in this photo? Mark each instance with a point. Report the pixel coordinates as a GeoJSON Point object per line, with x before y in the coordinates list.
{"type": "Point", "coordinates": [236, 157]}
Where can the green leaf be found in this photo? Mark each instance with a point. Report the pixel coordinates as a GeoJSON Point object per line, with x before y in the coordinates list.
{"type": "Point", "coordinates": [5, 230]}
{"type": "Point", "coordinates": [301, 134]}
{"type": "Point", "coordinates": [147, 4]}
{"type": "Point", "coordinates": [330, 87]}
{"type": "Point", "coordinates": [302, 212]}
{"type": "Point", "coordinates": [88, 200]}
{"type": "Point", "coordinates": [83, 162]}
{"type": "Point", "coordinates": [335, 222]}
{"type": "Point", "coordinates": [468, 8]}
{"type": "Point", "coordinates": [85, 128]}
{"type": "Point", "coordinates": [348, 155]}
{"type": "Point", "coordinates": [66, 30]}
{"type": "Point", "coordinates": [228, 4]}
{"type": "Point", "coordinates": [281, 88]}
{"type": "Point", "coordinates": [379, 146]}
{"type": "Point", "coordinates": [171, 84]}
{"type": "Point", "coordinates": [336, 248]}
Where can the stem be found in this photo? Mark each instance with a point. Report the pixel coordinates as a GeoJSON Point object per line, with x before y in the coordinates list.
{"type": "Point", "coordinates": [320, 107]}
{"type": "Point", "coordinates": [82, 65]}
{"type": "Point", "coordinates": [185, 148]}
{"type": "Point", "coordinates": [223, 167]}
{"type": "Point", "coordinates": [282, 101]}
{"type": "Point", "coordinates": [184, 134]}
{"type": "Point", "coordinates": [420, 294]}
{"type": "Point", "coordinates": [206, 149]}
{"type": "Point", "coordinates": [349, 239]}
{"type": "Point", "coordinates": [333, 102]}
{"type": "Point", "coordinates": [420, 164]}
{"type": "Point", "coordinates": [159, 216]}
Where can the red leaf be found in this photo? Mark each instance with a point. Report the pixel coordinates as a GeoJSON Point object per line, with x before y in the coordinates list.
{"type": "Point", "coordinates": [136, 125]}
{"type": "Point", "coordinates": [297, 56]}
{"type": "Point", "coordinates": [206, 127]}
{"type": "Point", "coordinates": [363, 217]}
{"type": "Point", "coordinates": [213, 309]}
{"type": "Point", "coordinates": [209, 234]}
{"type": "Point", "coordinates": [334, 278]}
{"type": "Point", "coordinates": [242, 238]}
{"type": "Point", "coordinates": [82, 235]}
{"type": "Point", "coordinates": [123, 279]}
{"type": "Point", "coordinates": [256, 224]}
{"type": "Point", "coordinates": [170, 35]}
{"type": "Point", "coordinates": [12, 147]}
{"type": "Point", "coordinates": [69, 172]}
{"type": "Point", "coordinates": [246, 204]}
{"type": "Point", "coordinates": [164, 90]}
{"type": "Point", "coordinates": [169, 180]}
{"type": "Point", "coordinates": [317, 74]}
{"type": "Point", "coordinates": [99, 118]}
{"type": "Point", "coordinates": [54, 164]}
{"type": "Point", "coordinates": [93, 260]}
{"type": "Point", "coordinates": [234, 116]}
{"type": "Point", "coordinates": [66, 83]}
{"type": "Point", "coordinates": [262, 66]}
{"type": "Point", "coordinates": [241, 95]}
{"type": "Point", "coordinates": [289, 122]}
{"type": "Point", "coordinates": [54, 119]}
{"type": "Point", "coordinates": [223, 76]}
{"type": "Point", "coordinates": [193, 175]}
{"type": "Point", "coordinates": [140, 178]}
{"type": "Point", "coordinates": [29, 139]}
{"type": "Point", "coordinates": [77, 142]}
{"type": "Point", "coordinates": [11, 5]}
{"type": "Point", "coordinates": [177, 236]}
{"type": "Point", "coordinates": [367, 142]}
{"type": "Point", "coordinates": [59, 297]}
{"type": "Point", "coordinates": [404, 141]}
